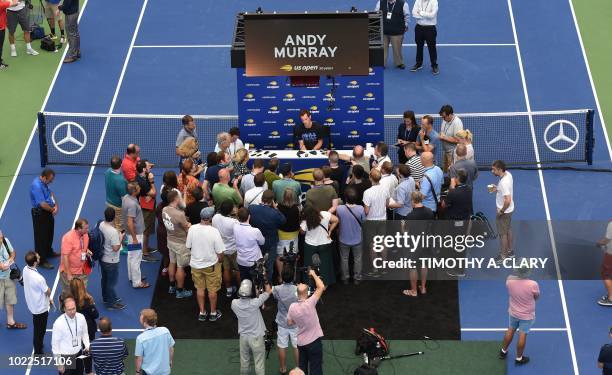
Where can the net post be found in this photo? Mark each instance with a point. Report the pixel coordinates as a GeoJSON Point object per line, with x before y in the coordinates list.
{"type": "Point", "coordinates": [42, 139]}
{"type": "Point", "coordinates": [590, 138]}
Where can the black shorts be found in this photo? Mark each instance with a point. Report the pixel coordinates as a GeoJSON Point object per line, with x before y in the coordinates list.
{"type": "Point", "coordinates": [20, 17]}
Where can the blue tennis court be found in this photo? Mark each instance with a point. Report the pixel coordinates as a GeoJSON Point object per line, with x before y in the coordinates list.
{"type": "Point", "coordinates": [152, 57]}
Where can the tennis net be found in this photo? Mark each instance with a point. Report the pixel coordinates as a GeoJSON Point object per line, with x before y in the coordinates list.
{"type": "Point", "coordinates": [518, 138]}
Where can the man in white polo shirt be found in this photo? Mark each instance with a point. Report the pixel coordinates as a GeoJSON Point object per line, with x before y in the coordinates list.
{"type": "Point", "coordinates": [206, 246]}
{"type": "Point", "coordinates": [451, 125]}
{"type": "Point", "coordinates": [426, 14]}
{"type": "Point", "coordinates": [375, 198]}
{"type": "Point", "coordinates": [504, 200]}
{"type": "Point", "coordinates": [69, 336]}
{"type": "Point", "coordinates": [375, 206]}
{"type": "Point", "coordinates": [225, 224]}
{"type": "Point", "coordinates": [37, 296]}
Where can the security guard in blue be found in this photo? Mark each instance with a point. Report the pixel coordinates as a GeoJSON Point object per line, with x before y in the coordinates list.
{"type": "Point", "coordinates": [44, 209]}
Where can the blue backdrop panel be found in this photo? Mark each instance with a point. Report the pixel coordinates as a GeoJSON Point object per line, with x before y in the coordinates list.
{"type": "Point", "coordinates": [353, 106]}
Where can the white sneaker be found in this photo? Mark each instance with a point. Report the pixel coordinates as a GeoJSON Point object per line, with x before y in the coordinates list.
{"type": "Point", "coordinates": [13, 53]}
{"type": "Point", "coordinates": [62, 40]}
{"type": "Point", "coordinates": [31, 51]}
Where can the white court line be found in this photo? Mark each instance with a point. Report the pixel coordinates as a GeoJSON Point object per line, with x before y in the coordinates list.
{"type": "Point", "coordinates": [462, 330]}
{"type": "Point", "coordinates": [27, 147]}
{"type": "Point", "coordinates": [134, 330]}
{"type": "Point", "coordinates": [505, 329]}
{"type": "Point", "coordinates": [544, 196]}
{"type": "Point", "coordinates": [586, 62]}
{"type": "Point", "coordinates": [101, 141]}
{"type": "Point", "coordinates": [404, 45]}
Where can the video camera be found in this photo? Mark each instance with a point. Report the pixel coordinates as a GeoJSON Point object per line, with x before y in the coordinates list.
{"type": "Point", "coordinates": [258, 274]}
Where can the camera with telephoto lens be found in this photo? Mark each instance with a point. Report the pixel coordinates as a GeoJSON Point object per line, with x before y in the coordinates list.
{"type": "Point", "coordinates": [258, 274]}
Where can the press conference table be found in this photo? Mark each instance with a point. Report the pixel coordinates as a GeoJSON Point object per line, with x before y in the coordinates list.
{"type": "Point", "coordinates": [293, 154]}
{"type": "Point", "coordinates": [298, 159]}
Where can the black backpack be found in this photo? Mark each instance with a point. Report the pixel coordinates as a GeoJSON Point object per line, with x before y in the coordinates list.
{"type": "Point", "coordinates": [96, 242]}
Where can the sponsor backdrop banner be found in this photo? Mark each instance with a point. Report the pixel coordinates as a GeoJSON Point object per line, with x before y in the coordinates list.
{"type": "Point", "coordinates": [353, 106]}
{"type": "Point", "coordinates": [306, 44]}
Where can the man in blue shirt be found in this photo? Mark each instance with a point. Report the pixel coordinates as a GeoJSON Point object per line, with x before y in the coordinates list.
{"type": "Point", "coordinates": [108, 352]}
{"type": "Point", "coordinates": [44, 209]}
{"type": "Point", "coordinates": [428, 139]}
{"type": "Point", "coordinates": [401, 201]}
{"type": "Point", "coordinates": [154, 350]}
{"type": "Point", "coordinates": [431, 183]}
{"type": "Point", "coordinates": [267, 219]}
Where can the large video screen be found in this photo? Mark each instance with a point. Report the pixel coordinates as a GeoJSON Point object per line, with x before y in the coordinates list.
{"type": "Point", "coordinates": [306, 44]}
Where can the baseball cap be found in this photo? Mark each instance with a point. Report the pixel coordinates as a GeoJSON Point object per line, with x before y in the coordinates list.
{"type": "Point", "coordinates": [245, 289]}
{"type": "Point", "coordinates": [207, 213]}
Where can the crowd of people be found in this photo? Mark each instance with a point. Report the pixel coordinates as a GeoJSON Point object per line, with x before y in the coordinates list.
{"type": "Point", "coordinates": [63, 13]}
{"type": "Point", "coordinates": [219, 216]}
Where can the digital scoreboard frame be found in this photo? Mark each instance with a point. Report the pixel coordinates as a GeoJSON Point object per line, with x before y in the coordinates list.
{"type": "Point", "coordinates": [306, 44]}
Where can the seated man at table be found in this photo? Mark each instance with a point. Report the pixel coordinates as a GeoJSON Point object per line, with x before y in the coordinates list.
{"type": "Point", "coordinates": [309, 134]}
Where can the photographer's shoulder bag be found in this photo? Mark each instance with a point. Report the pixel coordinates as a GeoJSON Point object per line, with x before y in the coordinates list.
{"type": "Point", "coordinates": [48, 44]}
{"type": "Point", "coordinates": [15, 271]}
{"type": "Point", "coordinates": [440, 204]}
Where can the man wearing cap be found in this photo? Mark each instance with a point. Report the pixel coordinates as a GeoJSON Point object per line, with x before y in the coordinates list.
{"type": "Point", "coordinates": [206, 246]}
{"type": "Point", "coordinates": [523, 294]}
{"type": "Point", "coordinates": [604, 360]}
{"type": "Point", "coordinates": [251, 327]}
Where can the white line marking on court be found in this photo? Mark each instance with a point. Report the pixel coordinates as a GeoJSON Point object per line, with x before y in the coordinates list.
{"type": "Point", "coordinates": [110, 111]}
{"type": "Point", "coordinates": [34, 128]}
{"type": "Point", "coordinates": [586, 62]}
{"type": "Point", "coordinates": [544, 196]}
{"type": "Point", "coordinates": [132, 330]}
{"type": "Point", "coordinates": [404, 45]}
{"type": "Point", "coordinates": [505, 329]}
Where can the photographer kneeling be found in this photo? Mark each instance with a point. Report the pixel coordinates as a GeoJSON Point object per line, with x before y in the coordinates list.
{"type": "Point", "coordinates": [303, 313]}
{"type": "Point", "coordinates": [251, 327]}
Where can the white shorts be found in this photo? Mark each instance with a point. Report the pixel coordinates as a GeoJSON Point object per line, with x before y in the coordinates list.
{"type": "Point", "coordinates": [285, 244]}
{"type": "Point", "coordinates": [283, 335]}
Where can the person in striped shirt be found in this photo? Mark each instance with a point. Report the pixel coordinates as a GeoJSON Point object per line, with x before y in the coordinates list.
{"type": "Point", "coordinates": [108, 352]}
{"type": "Point", "coordinates": [414, 162]}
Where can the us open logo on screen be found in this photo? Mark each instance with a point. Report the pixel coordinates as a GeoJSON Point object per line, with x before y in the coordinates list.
{"type": "Point", "coordinates": [69, 138]}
